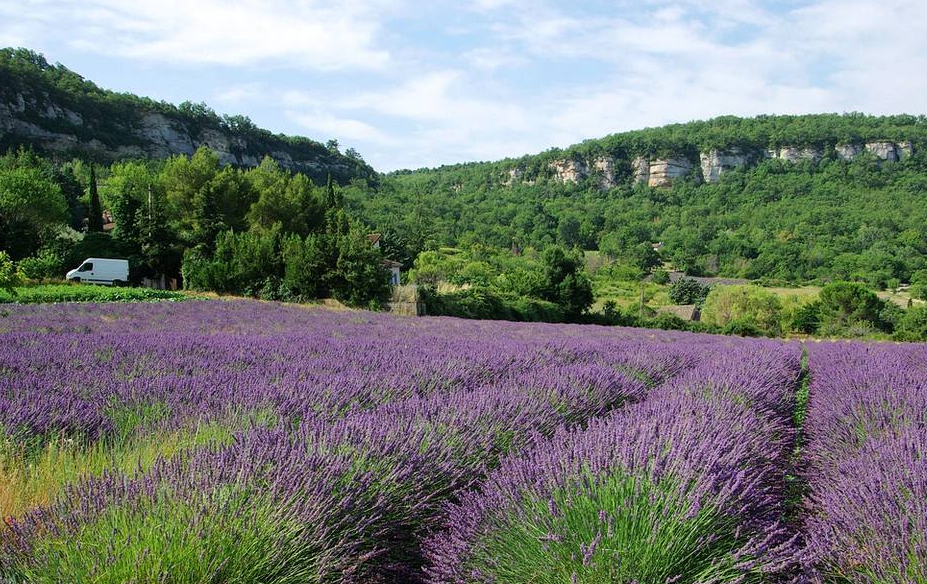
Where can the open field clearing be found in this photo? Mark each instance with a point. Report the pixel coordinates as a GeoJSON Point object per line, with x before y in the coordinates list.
{"type": "Point", "coordinates": [243, 441]}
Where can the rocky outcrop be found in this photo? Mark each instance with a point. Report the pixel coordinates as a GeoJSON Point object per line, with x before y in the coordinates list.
{"type": "Point", "coordinates": [883, 150]}
{"type": "Point", "coordinates": [848, 151]}
{"type": "Point", "coordinates": [715, 162]}
{"type": "Point", "coordinates": [795, 153]}
{"type": "Point", "coordinates": [35, 119]}
{"type": "Point", "coordinates": [640, 170]}
{"type": "Point", "coordinates": [604, 169]}
{"type": "Point", "coordinates": [569, 170]}
{"type": "Point", "coordinates": [890, 151]}
{"type": "Point", "coordinates": [664, 171]}
{"type": "Point", "coordinates": [661, 172]}
{"type": "Point", "coordinates": [512, 175]}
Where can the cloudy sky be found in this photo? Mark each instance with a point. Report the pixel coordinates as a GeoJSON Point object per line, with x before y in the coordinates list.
{"type": "Point", "coordinates": [412, 84]}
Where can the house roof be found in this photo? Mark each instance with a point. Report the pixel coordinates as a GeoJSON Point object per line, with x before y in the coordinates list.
{"type": "Point", "coordinates": [391, 264]}
{"type": "Point", "coordinates": [373, 237]}
{"type": "Point", "coordinates": [683, 311]}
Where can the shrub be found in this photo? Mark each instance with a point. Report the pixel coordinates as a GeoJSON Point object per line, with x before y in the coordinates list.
{"type": "Point", "coordinates": [9, 279]}
{"type": "Point", "coordinates": [46, 265]}
{"type": "Point", "coordinates": [688, 291]}
{"type": "Point", "coordinates": [661, 277]}
{"type": "Point", "coordinates": [742, 327]}
{"type": "Point", "coordinates": [919, 284]}
{"type": "Point", "coordinates": [913, 324]}
{"type": "Point", "coordinates": [847, 305]}
{"type": "Point", "coordinates": [94, 245]}
{"type": "Point", "coordinates": [807, 318]}
{"type": "Point", "coordinates": [751, 307]}
{"type": "Point", "coordinates": [359, 278]}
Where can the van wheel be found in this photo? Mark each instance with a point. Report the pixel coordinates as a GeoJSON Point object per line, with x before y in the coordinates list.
{"type": "Point", "coordinates": [118, 283]}
{"type": "Point", "coordinates": [75, 280]}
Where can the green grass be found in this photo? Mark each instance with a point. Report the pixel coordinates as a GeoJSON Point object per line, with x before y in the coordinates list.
{"type": "Point", "coordinates": [43, 293]}
{"type": "Point", "coordinates": [34, 472]}
{"type": "Point", "coordinates": [37, 475]}
{"type": "Point", "coordinates": [796, 487]}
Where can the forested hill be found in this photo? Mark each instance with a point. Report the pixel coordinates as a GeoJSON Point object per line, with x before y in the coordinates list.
{"type": "Point", "coordinates": [58, 112]}
{"type": "Point", "coordinates": [796, 198]}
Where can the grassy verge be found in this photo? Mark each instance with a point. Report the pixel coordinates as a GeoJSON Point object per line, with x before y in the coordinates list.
{"type": "Point", "coordinates": [796, 487]}
{"type": "Point", "coordinates": [32, 477]}
{"type": "Point", "coordinates": [42, 293]}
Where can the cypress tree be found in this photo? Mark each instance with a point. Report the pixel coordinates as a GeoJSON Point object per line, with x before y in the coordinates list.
{"type": "Point", "coordinates": [95, 221]}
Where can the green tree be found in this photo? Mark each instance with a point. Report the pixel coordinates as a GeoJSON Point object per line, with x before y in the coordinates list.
{"type": "Point", "coordinates": [688, 291]}
{"type": "Point", "coordinates": [565, 283]}
{"type": "Point", "coordinates": [9, 278]}
{"type": "Point", "coordinates": [31, 208]}
{"type": "Point", "coordinates": [913, 325]}
{"type": "Point", "coordinates": [743, 304]}
{"type": "Point", "coordinates": [359, 278]}
{"type": "Point", "coordinates": [919, 284]}
{"type": "Point", "coordinates": [304, 266]}
{"type": "Point", "coordinates": [844, 304]}
{"type": "Point", "coordinates": [95, 214]}
{"type": "Point", "coordinates": [158, 244]}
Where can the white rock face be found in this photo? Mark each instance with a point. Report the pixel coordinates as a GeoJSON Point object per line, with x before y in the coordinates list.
{"type": "Point", "coordinates": [150, 134]}
{"type": "Point", "coordinates": [220, 144]}
{"type": "Point", "coordinates": [663, 172]}
{"type": "Point", "coordinates": [848, 151]}
{"type": "Point", "coordinates": [512, 175]}
{"type": "Point", "coordinates": [796, 153]}
{"type": "Point", "coordinates": [715, 162]}
{"type": "Point", "coordinates": [164, 138]}
{"type": "Point", "coordinates": [604, 167]}
{"type": "Point", "coordinates": [640, 169]}
{"type": "Point", "coordinates": [569, 170]}
{"type": "Point", "coordinates": [883, 150]}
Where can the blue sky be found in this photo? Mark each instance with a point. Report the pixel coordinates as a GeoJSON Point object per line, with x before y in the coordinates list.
{"type": "Point", "coordinates": [412, 84]}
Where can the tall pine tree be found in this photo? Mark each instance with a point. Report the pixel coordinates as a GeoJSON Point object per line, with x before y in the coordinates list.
{"type": "Point", "coordinates": [95, 220]}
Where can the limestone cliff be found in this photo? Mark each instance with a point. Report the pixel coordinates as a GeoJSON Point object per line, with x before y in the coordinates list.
{"type": "Point", "coordinates": [713, 163]}
{"type": "Point", "coordinates": [38, 110]}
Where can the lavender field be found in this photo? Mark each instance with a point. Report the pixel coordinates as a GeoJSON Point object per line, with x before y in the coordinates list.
{"type": "Point", "coordinates": [249, 442]}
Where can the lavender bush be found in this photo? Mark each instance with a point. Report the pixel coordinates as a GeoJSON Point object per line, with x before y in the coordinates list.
{"type": "Point", "coordinates": [686, 486]}
{"type": "Point", "coordinates": [243, 441]}
{"type": "Point", "coordinates": [867, 463]}
{"type": "Point", "coordinates": [419, 409]}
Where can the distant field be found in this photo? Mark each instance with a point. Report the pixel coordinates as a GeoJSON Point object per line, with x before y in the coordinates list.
{"type": "Point", "coordinates": [245, 441]}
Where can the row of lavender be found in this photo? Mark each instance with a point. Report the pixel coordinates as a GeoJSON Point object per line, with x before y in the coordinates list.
{"type": "Point", "coordinates": [367, 426]}
{"type": "Point", "coordinates": [685, 486]}
{"type": "Point", "coordinates": [867, 463]}
{"type": "Point", "coordinates": [96, 371]}
{"type": "Point", "coordinates": [372, 449]}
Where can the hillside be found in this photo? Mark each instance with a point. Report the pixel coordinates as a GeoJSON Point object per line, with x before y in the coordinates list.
{"type": "Point", "coordinates": [795, 198]}
{"type": "Point", "coordinates": [58, 112]}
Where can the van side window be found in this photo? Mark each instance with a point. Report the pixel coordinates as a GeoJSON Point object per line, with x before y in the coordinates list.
{"type": "Point", "coordinates": [86, 267]}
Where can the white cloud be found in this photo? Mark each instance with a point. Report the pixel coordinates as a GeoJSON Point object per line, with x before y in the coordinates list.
{"type": "Point", "coordinates": [517, 76]}
{"type": "Point", "coordinates": [240, 94]}
{"type": "Point", "coordinates": [343, 129]}
{"type": "Point", "coordinates": [324, 35]}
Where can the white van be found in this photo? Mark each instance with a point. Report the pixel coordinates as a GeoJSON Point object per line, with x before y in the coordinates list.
{"type": "Point", "coordinates": [101, 271]}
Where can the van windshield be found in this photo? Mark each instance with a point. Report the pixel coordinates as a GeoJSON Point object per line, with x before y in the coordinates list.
{"type": "Point", "coordinates": [86, 267]}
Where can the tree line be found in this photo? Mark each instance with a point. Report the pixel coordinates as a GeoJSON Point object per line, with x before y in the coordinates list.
{"type": "Point", "coordinates": [811, 222]}
{"type": "Point", "coordinates": [263, 231]}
